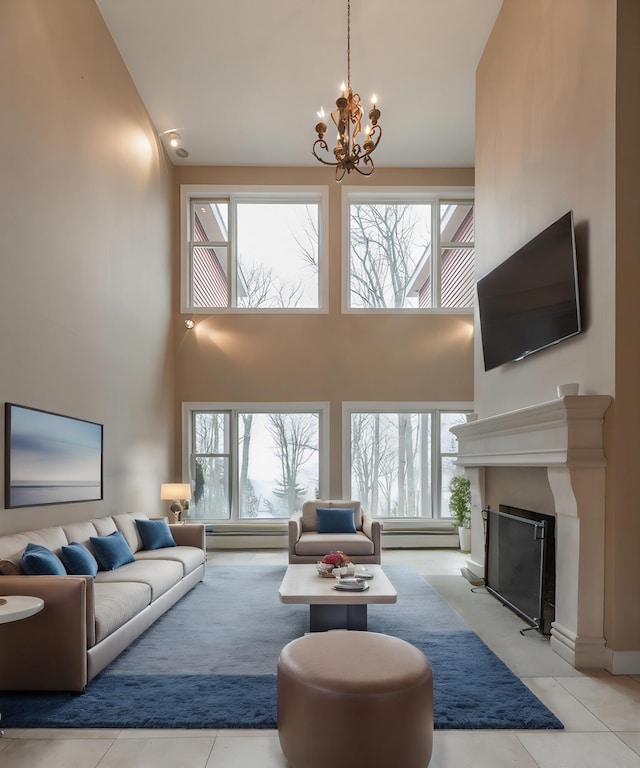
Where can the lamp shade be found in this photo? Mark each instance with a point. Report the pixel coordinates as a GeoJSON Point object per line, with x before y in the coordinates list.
{"type": "Point", "coordinates": [174, 491]}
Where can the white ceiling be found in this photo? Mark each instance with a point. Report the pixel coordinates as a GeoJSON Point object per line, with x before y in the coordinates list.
{"type": "Point", "coordinates": [241, 81]}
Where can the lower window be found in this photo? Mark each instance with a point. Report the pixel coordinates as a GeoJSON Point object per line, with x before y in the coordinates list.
{"type": "Point", "coordinates": [248, 463]}
{"type": "Point", "coordinates": [401, 461]}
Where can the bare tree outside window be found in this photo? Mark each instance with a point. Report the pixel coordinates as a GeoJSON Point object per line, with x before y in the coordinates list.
{"type": "Point", "coordinates": [386, 244]}
{"type": "Point", "coordinates": [448, 453]}
{"type": "Point", "coordinates": [271, 246]}
{"type": "Point", "coordinates": [277, 255]}
{"type": "Point", "coordinates": [210, 466]}
{"type": "Point", "coordinates": [279, 462]}
{"type": "Point", "coordinates": [397, 262]}
{"type": "Point", "coordinates": [296, 439]}
{"type": "Point", "coordinates": [386, 455]}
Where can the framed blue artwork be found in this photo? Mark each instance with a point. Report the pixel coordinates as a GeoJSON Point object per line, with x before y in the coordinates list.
{"type": "Point", "coordinates": [50, 458]}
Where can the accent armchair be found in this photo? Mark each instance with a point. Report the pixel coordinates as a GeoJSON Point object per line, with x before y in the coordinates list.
{"type": "Point", "coordinates": [307, 545]}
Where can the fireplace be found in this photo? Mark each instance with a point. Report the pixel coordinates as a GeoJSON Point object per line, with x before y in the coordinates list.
{"type": "Point", "coordinates": [563, 439]}
{"type": "Point", "coordinates": [520, 563]}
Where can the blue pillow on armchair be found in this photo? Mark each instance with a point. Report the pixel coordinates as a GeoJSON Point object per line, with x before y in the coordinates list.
{"type": "Point", "coordinates": [336, 520]}
{"type": "Point", "coordinates": [112, 551]}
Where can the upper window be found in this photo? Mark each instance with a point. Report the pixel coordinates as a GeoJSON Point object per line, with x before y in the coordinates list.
{"type": "Point", "coordinates": [253, 250]}
{"type": "Point", "coordinates": [414, 252]}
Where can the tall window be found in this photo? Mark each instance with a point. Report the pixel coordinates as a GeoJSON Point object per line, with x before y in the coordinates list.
{"type": "Point", "coordinates": [401, 460]}
{"type": "Point", "coordinates": [413, 252]}
{"type": "Point", "coordinates": [252, 462]}
{"type": "Point", "coordinates": [253, 250]}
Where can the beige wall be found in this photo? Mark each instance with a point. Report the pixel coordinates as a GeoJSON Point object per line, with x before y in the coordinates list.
{"type": "Point", "coordinates": [330, 357]}
{"type": "Point", "coordinates": [550, 136]}
{"type": "Point", "coordinates": [85, 239]}
{"type": "Point", "coordinates": [623, 528]}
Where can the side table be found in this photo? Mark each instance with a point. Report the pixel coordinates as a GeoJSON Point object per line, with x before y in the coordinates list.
{"type": "Point", "coordinates": [16, 607]}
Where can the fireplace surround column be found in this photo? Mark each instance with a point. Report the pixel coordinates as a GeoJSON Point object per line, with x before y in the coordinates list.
{"type": "Point", "coordinates": [565, 437]}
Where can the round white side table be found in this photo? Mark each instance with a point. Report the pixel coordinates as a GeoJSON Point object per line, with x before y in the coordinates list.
{"type": "Point", "coordinates": [16, 607]}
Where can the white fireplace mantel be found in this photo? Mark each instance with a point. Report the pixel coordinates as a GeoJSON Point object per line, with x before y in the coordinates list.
{"type": "Point", "coordinates": [565, 437]}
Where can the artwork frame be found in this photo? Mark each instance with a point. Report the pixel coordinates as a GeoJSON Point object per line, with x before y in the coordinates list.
{"type": "Point", "coordinates": [50, 458]}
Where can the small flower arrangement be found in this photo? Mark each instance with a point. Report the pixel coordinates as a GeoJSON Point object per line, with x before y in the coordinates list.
{"type": "Point", "coordinates": [331, 561]}
{"type": "Point", "coordinates": [336, 559]}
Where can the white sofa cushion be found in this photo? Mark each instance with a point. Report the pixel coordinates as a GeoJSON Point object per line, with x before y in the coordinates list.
{"type": "Point", "coordinates": [116, 603]}
{"type": "Point", "coordinates": [321, 544]}
{"type": "Point", "coordinates": [160, 575]}
{"type": "Point", "coordinates": [189, 557]}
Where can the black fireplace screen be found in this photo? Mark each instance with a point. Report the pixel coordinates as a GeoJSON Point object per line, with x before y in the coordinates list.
{"type": "Point", "coordinates": [520, 563]}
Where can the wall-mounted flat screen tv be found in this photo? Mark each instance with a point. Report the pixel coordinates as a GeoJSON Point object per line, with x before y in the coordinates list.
{"type": "Point", "coordinates": [50, 459]}
{"type": "Point", "coordinates": [530, 301]}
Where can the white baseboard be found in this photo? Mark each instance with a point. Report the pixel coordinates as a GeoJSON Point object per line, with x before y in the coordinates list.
{"type": "Point", "coordinates": [622, 662]}
{"type": "Point", "coordinates": [275, 540]}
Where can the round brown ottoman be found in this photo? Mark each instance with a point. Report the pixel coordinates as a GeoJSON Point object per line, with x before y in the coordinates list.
{"type": "Point", "coordinates": [360, 699]}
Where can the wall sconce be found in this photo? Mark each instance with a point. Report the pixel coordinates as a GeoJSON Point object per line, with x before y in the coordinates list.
{"type": "Point", "coordinates": [179, 494]}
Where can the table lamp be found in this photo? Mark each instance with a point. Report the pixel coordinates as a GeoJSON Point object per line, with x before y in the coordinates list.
{"type": "Point", "coordinates": [179, 494]}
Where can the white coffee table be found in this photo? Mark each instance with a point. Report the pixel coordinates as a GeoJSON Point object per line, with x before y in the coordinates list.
{"type": "Point", "coordinates": [328, 607]}
{"type": "Point", "coordinates": [16, 607]}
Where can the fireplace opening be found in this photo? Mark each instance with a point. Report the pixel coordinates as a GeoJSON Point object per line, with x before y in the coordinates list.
{"type": "Point", "coordinates": [520, 563]}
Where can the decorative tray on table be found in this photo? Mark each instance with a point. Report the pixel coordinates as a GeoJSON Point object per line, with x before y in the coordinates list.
{"type": "Point", "coordinates": [351, 585]}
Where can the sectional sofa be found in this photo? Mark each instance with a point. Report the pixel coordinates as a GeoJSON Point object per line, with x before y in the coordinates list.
{"type": "Point", "coordinates": [87, 621]}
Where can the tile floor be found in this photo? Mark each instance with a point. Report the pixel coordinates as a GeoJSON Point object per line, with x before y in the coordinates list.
{"type": "Point", "coordinates": [601, 712]}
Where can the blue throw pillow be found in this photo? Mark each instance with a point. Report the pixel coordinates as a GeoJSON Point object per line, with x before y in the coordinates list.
{"type": "Point", "coordinates": [78, 560]}
{"type": "Point", "coordinates": [336, 520]}
{"type": "Point", "coordinates": [37, 560]}
{"type": "Point", "coordinates": [112, 551]}
{"type": "Point", "coordinates": [155, 534]}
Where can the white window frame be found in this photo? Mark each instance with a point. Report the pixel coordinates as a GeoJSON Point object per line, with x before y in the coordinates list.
{"type": "Point", "coordinates": [402, 195]}
{"type": "Point", "coordinates": [233, 408]}
{"type": "Point", "coordinates": [434, 409]}
{"type": "Point", "coordinates": [247, 193]}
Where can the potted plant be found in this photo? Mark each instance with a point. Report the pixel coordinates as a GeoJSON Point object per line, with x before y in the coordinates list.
{"type": "Point", "coordinates": [460, 506]}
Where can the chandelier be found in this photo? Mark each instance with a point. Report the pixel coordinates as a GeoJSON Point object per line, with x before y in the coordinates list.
{"type": "Point", "coordinates": [347, 116]}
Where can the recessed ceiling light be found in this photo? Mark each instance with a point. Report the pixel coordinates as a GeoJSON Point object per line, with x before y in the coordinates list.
{"type": "Point", "coordinates": [182, 152]}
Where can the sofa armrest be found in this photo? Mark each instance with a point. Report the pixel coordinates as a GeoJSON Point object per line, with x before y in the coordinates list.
{"type": "Point", "coordinates": [48, 651]}
{"type": "Point", "coordinates": [373, 529]}
{"type": "Point", "coordinates": [295, 529]}
{"type": "Point", "coordinates": [369, 525]}
{"type": "Point", "coordinates": [189, 535]}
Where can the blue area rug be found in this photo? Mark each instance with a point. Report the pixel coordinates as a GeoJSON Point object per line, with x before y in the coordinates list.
{"type": "Point", "coordinates": [210, 662]}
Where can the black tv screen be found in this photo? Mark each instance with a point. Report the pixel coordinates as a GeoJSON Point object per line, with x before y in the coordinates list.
{"type": "Point", "coordinates": [530, 301]}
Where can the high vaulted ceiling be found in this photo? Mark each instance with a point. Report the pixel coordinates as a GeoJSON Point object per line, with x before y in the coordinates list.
{"type": "Point", "coordinates": [242, 81]}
